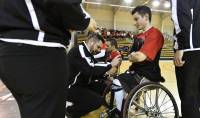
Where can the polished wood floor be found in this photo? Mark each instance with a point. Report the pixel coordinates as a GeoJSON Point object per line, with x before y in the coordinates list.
{"type": "Point", "coordinates": [9, 109]}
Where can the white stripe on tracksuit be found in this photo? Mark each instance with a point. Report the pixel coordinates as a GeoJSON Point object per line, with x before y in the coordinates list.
{"type": "Point", "coordinates": [88, 60]}
{"type": "Point", "coordinates": [177, 26]}
{"type": "Point", "coordinates": [75, 80]}
{"type": "Point", "coordinates": [35, 20]}
{"type": "Point", "coordinates": [36, 26]}
{"type": "Point", "coordinates": [175, 17]}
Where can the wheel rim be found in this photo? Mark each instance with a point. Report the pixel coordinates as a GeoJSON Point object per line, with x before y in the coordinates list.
{"type": "Point", "coordinates": [151, 101]}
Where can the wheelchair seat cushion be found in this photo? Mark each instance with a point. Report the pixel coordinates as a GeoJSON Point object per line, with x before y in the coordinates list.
{"type": "Point", "coordinates": [129, 80]}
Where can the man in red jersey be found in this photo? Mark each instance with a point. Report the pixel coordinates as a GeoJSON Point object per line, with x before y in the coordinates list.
{"type": "Point", "coordinates": [112, 52]}
{"type": "Point", "coordinates": [112, 49]}
{"type": "Point", "coordinates": [144, 56]}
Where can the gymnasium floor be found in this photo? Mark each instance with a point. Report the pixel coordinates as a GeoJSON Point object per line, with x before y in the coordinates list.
{"type": "Point", "coordinates": [9, 108]}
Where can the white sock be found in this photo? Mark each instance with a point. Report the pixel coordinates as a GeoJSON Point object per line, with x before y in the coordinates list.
{"type": "Point", "coordinates": [119, 95]}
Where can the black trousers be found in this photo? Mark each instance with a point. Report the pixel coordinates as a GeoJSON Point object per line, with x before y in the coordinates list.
{"type": "Point", "coordinates": [85, 98]}
{"type": "Point", "coordinates": [36, 78]}
{"type": "Point", "coordinates": [188, 81]}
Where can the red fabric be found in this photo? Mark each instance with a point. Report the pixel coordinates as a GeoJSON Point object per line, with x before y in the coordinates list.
{"type": "Point", "coordinates": [113, 54]}
{"type": "Point", "coordinates": [153, 42]}
{"type": "Point", "coordinates": [103, 46]}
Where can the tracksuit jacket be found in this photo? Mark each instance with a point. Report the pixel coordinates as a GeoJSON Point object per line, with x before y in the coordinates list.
{"type": "Point", "coordinates": [41, 22]}
{"type": "Point", "coordinates": [186, 18]}
{"type": "Point", "coordinates": [83, 67]}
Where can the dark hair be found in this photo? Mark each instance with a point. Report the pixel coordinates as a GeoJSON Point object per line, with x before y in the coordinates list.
{"type": "Point", "coordinates": [113, 42]}
{"type": "Point", "coordinates": [95, 36]}
{"type": "Point", "coordinates": [142, 10]}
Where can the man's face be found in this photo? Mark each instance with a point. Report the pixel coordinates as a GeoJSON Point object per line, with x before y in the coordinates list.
{"type": "Point", "coordinates": [140, 21]}
{"type": "Point", "coordinates": [96, 47]}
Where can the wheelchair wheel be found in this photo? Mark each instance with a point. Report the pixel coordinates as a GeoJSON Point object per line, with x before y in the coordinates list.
{"type": "Point", "coordinates": [108, 95]}
{"type": "Point", "coordinates": [150, 100]}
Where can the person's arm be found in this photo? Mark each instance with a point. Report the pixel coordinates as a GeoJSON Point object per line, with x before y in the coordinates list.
{"type": "Point", "coordinates": [152, 45]}
{"type": "Point", "coordinates": [137, 57]}
{"type": "Point", "coordinates": [182, 16]}
{"type": "Point", "coordinates": [101, 54]}
{"type": "Point", "coordinates": [86, 66]}
{"type": "Point", "coordinates": [178, 58]}
{"type": "Point", "coordinates": [70, 13]}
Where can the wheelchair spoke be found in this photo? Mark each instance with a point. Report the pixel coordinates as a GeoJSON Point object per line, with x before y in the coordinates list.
{"type": "Point", "coordinates": [167, 108]}
{"type": "Point", "coordinates": [139, 113]}
{"type": "Point", "coordinates": [168, 113]}
{"type": "Point", "coordinates": [159, 93]}
{"type": "Point", "coordinates": [157, 96]}
{"type": "Point", "coordinates": [164, 99]}
{"type": "Point", "coordinates": [165, 103]}
{"type": "Point", "coordinates": [152, 101]}
{"type": "Point", "coordinates": [138, 106]}
{"type": "Point", "coordinates": [149, 96]}
{"type": "Point", "coordinates": [144, 98]}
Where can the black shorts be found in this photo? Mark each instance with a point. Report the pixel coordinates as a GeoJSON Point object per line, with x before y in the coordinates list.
{"type": "Point", "coordinates": [129, 80]}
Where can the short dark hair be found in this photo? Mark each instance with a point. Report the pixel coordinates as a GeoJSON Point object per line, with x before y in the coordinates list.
{"type": "Point", "coordinates": [113, 42]}
{"type": "Point", "coordinates": [96, 36]}
{"type": "Point", "coordinates": [142, 10]}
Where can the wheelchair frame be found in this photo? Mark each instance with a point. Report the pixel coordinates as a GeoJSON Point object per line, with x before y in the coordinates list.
{"type": "Point", "coordinates": [148, 110]}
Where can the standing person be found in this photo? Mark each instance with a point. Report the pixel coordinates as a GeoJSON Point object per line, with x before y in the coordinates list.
{"type": "Point", "coordinates": [33, 36]}
{"type": "Point", "coordinates": [186, 18]}
{"type": "Point", "coordinates": [84, 71]}
{"type": "Point", "coordinates": [144, 56]}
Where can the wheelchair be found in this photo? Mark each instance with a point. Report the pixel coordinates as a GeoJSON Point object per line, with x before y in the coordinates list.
{"type": "Point", "coordinates": [146, 100]}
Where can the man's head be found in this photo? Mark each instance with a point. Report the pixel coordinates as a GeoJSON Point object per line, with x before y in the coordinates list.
{"type": "Point", "coordinates": [95, 42]}
{"type": "Point", "coordinates": [142, 16]}
{"type": "Point", "coordinates": [111, 44]}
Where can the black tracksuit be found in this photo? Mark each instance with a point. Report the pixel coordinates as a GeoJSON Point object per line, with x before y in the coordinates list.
{"type": "Point", "coordinates": [33, 36]}
{"type": "Point", "coordinates": [84, 69]}
{"type": "Point", "coordinates": [41, 20]}
{"type": "Point", "coordinates": [186, 17]}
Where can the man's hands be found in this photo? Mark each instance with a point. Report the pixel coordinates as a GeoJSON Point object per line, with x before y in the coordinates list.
{"type": "Point", "coordinates": [178, 56]}
{"type": "Point", "coordinates": [116, 61]}
{"type": "Point", "coordinates": [130, 56]}
{"type": "Point", "coordinates": [92, 25]}
{"type": "Point", "coordinates": [137, 57]}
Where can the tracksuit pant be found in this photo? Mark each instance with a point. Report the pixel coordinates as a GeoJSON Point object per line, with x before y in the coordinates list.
{"type": "Point", "coordinates": [36, 77]}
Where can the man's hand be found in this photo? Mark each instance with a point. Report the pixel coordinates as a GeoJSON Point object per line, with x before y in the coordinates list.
{"type": "Point", "coordinates": [178, 56]}
{"type": "Point", "coordinates": [112, 71]}
{"type": "Point", "coordinates": [137, 57]}
{"type": "Point", "coordinates": [116, 61]}
{"type": "Point", "coordinates": [92, 25]}
{"type": "Point", "coordinates": [2, 86]}
{"type": "Point", "coordinates": [130, 56]}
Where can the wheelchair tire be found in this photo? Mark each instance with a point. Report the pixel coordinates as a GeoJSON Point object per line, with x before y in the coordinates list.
{"type": "Point", "coordinates": [134, 107]}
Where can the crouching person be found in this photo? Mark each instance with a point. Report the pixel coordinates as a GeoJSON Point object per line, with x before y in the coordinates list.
{"type": "Point", "coordinates": [84, 69]}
